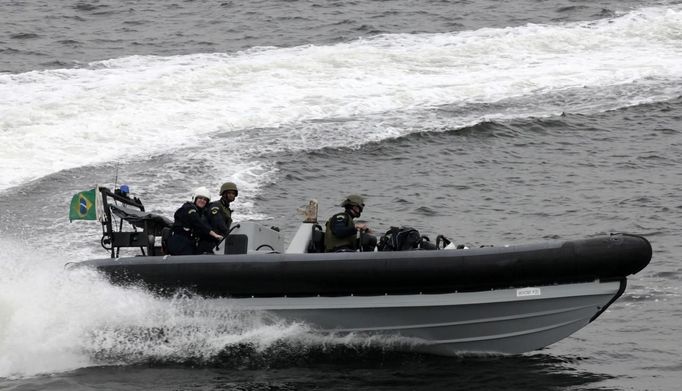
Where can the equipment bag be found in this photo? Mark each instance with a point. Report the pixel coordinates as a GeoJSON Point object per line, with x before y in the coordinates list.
{"type": "Point", "coordinates": [400, 239]}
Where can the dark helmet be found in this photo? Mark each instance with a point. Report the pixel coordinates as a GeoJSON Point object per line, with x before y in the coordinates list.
{"type": "Point", "coordinates": [229, 186]}
{"type": "Point", "coordinates": [354, 200]}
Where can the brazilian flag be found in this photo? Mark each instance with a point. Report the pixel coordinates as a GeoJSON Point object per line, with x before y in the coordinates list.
{"type": "Point", "coordinates": [83, 206]}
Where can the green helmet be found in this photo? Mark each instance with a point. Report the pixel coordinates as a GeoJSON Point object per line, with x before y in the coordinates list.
{"type": "Point", "coordinates": [229, 186]}
{"type": "Point", "coordinates": [354, 200]}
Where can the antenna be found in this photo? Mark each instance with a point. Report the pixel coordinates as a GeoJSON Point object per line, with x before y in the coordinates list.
{"type": "Point", "coordinates": [116, 177]}
{"type": "Point", "coordinates": [120, 227]}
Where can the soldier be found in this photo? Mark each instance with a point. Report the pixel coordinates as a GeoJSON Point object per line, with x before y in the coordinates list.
{"type": "Point", "coordinates": [191, 232]}
{"type": "Point", "coordinates": [220, 212]}
{"type": "Point", "coordinates": [342, 230]}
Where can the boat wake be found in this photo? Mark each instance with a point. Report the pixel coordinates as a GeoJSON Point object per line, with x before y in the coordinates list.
{"type": "Point", "coordinates": [579, 67]}
{"type": "Point", "coordinates": [276, 345]}
{"type": "Point", "coordinates": [52, 321]}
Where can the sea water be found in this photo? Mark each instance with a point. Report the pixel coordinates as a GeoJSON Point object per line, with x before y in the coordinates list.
{"type": "Point", "coordinates": [488, 122]}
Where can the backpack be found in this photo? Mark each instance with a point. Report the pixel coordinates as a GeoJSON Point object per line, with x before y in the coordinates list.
{"type": "Point", "coordinates": [400, 239]}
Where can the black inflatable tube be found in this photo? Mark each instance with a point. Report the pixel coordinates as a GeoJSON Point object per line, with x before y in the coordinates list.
{"type": "Point", "coordinates": [376, 273]}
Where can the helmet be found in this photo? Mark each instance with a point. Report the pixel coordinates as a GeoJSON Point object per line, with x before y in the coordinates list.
{"type": "Point", "coordinates": [124, 189]}
{"type": "Point", "coordinates": [229, 186]}
{"type": "Point", "coordinates": [354, 200]}
{"type": "Point", "coordinates": [201, 192]}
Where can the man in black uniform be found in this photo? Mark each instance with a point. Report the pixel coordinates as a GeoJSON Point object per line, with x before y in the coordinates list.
{"type": "Point", "coordinates": [220, 213]}
{"type": "Point", "coordinates": [191, 232]}
{"type": "Point", "coordinates": [342, 232]}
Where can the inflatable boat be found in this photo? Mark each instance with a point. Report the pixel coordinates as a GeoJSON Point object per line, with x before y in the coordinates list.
{"type": "Point", "coordinates": [446, 301]}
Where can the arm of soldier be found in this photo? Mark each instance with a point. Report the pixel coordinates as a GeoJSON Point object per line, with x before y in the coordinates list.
{"type": "Point", "coordinates": [362, 226]}
{"type": "Point", "coordinates": [201, 226]}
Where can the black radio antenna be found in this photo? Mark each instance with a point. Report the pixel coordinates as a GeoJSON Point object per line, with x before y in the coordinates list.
{"type": "Point", "coordinates": [116, 177]}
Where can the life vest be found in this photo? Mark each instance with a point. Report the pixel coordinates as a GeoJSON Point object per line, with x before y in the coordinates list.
{"type": "Point", "coordinates": [333, 242]}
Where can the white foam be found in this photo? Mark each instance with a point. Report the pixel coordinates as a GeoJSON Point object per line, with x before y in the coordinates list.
{"type": "Point", "coordinates": [53, 320]}
{"type": "Point", "coordinates": [141, 105]}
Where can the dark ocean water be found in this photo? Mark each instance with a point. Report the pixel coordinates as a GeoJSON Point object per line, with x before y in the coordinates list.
{"type": "Point", "coordinates": [486, 121]}
{"type": "Point", "coordinates": [48, 34]}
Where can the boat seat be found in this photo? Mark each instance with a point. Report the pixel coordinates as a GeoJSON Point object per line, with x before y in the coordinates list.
{"type": "Point", "coordinates": [236, 244]}
{"type": "Point", "coordinates": [316, 244]}
{"type": "Point", "coordinates": [165, 234]}
{"type": "Point", "coordinates": [129, 239]}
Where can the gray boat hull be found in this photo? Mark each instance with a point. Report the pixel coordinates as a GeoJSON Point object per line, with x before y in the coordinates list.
{"type": "Point", "coordinates": [497, 321]}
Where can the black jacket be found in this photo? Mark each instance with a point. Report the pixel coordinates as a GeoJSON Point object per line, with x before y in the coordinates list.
{"type": "Point", "coordinates": [192, 220]}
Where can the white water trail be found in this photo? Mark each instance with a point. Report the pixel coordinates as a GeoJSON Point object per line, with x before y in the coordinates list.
{"type": "Point", "coordinates": [52, 320]}
{"type": "Point", "coordinates": [136, 106]}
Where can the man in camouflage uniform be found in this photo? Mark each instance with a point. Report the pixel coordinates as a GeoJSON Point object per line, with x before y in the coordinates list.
{"type": "Point", "coordinates": [220, 213]}
{"type": "Point", "coordinates": [342, 231]}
